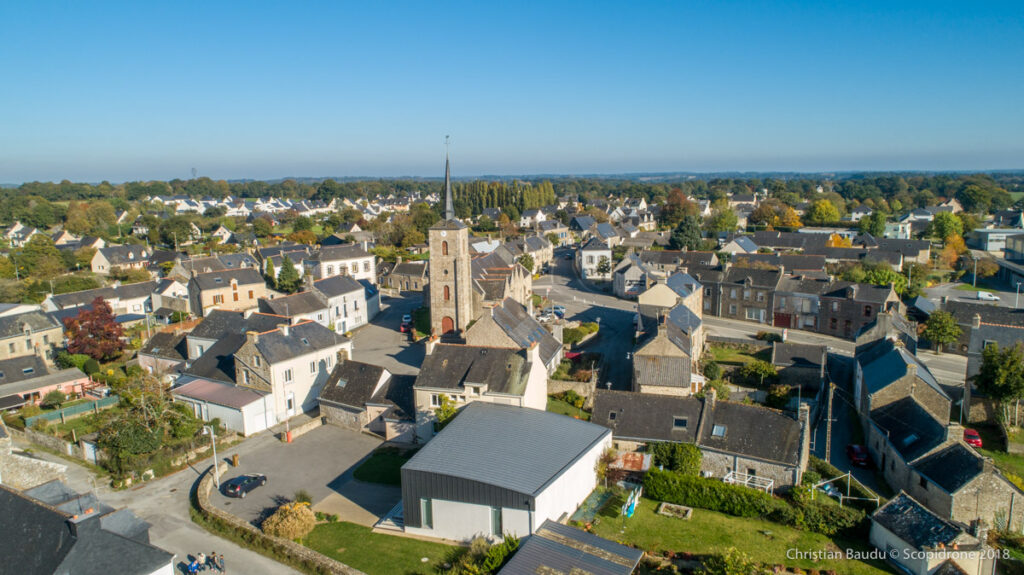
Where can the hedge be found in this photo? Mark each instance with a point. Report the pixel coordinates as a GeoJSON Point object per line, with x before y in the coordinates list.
{"type": "Point", "coordinates": [818, 516]}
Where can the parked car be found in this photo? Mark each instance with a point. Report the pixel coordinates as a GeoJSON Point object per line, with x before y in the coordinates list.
{"type": "Point", "coordinates": [406, 318]}
{"type": "Point", "coordinates": [986, 296]}
{"type": "Point", "coordinates": [858, 455]}
{"type": "Point", "coordinates": [972, 438]}
{"type": "Point", "coordinates": [568, 256]}
{"type": "Point", "coordinates": [545, 317]}
{"type": "Point", "coordinates": [239, 486]}
{"type": "Point", "coordinates": [557, 311]}
{"type": "Point", "coordinates": [405, 327]}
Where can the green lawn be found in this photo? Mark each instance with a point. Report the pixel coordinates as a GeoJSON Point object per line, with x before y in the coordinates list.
{"type": "Point", "coordinates": [556, 405]}
{"type": "Point", "coordinates": [995, 448]}
{"type": "Point", "coordinates": [728, 355]}
{"type": "Point", "coordinates": [376, 553]}
{"type": "Point", "coordinates": [384, 466]}
{"type": "Point", "coordinates": [709, 532]}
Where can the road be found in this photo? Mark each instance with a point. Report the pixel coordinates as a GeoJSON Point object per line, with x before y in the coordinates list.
{"type": "Point", "coordinates": [1007, 294]}
{"type": "Point", "coordinates": [164, 503]}
{"type": "Point", "coordinates": [380, 343]}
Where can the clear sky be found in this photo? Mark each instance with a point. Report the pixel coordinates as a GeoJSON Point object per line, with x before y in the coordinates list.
{"type": "Point", "coordinates": [149, 90]}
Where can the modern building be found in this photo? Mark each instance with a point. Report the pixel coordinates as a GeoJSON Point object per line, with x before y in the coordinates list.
{"type": "Point", "coordinates": [498, 469]}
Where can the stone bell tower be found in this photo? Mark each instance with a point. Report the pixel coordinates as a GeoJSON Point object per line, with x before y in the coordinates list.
{"type": "Point", "coordinates": [451, 289]}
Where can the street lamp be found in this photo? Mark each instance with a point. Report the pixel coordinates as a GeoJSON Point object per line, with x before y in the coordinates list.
{"type": "Point", "coordinates": [208, 430]}
{"type": "Point", "coordinates": [1016, 302]}
{"type": "Point", "coordinates": [974, 280]}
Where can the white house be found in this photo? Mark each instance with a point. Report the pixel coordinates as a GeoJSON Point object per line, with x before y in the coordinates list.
{"type": "Point", "coordinates": [351, 260]}
{"type": "Point", "coordinates": [499, 469]}
{"type": "Point", "coordinates": [589, 258]}
{"type": "Point", "coordinates": [239, 409]}
{"type": "Point", "coordinates": [350, 303]}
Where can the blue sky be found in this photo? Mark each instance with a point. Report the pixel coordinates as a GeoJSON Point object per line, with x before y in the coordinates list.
{"type": "Point", "coordinates": [149, 90]}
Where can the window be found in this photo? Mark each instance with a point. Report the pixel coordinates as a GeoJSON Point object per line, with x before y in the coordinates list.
{"type": "Point", "coordinates": [867, 311]}
{"type": "Point", "coordinates": [287, 375]}
{"type": "Point", "coordinates": [245, 376]}
{"type": "Point", "coordinates": [753, 314]}
{"type": "Point", "coordinates": [28, 370]}
{"type": "Point", "coordinates": [732, 293]}
{"type": "Point", "coordinates": [732, 309]}
{"type": "Point", "coordinates": [319, 317]}
{"type": "Point", "coordinates": [707, 291]}
{"type": "Point", "coordinates": [291, 402]}
{"type": "Point", "coordinates": [312, 367]}
{"type": "Point", "coordinates": [746, 294]}
{"type": "Point", "coordinates": [707, 305]}
{"type": "Point", "coordinates": [28, 345]}
{"type": "Point", "coordinates": [444, 248]}
{"type": "Point", "coordinates": [10, 347]}
{"type": "Point", "coordinates": [751, 472]}
{"type": "Point", "coordinates": [590, 259]}
{"type": "Point", "coordinates": [923, 483]}
{"type": "Point", "coordinates": [760, 296]}
{"type": "Point", "coordinates": [218, 299]}
{"type": "Point", "coordinates": [366, 266]}
{"type": "Point", "coordinates": [678, 422]}
{"type": "Point", "coordinates": [426, 514]}
{"type": "Point", "coordinates": [496, 529]}
{"type": "Point", "coordinates": [612, 415]}
{"type": "Point", "coordinates": [835, 306]}
{"type": "Point", "coordinates": [782, 302]}
{"type": "Point", "coordinates": [330, 271]}
{"type": "Point", "coordinates": [435, 400]}
{"type": "Point", "coordinates": [256, 360]}
{"type": "Point", "coordinates": [718, 431]}
{"type": "Point", "coordinates": [250, 294]}
{"type": "Point", "coordinates": [200, 349]}
{"type": "Point", "coordinates": [447, 294]}
{"type": "Point", "coordinates": [46, 339]}
{"type": "Point", "coordinates": [833, 323]}
{"type": "Point", "coordinates": [330, 360]}
{"type": "Point", "coordinates": [235, 296]}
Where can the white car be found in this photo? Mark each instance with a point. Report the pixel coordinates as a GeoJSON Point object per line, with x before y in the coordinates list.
{"type": "Point", "coordinates": [545, 317]}
{"type": "Point", "coordinates": [986, 296]}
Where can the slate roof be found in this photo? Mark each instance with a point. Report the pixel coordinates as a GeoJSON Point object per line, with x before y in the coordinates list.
{"type": "Point", "coordinates": [53, 541]}
{"type": "Point", "coordinates": [342, 252]}
{"type": "Point", "coordinates": [791, 262]}
{"type": "Point", "coordinates": [219, 393]}
{"type": "Point", "coordinates": [14, 325]}
{"type": "Point", "coordinates": [295, 304]}
{"type": "Point", "coordinates": [685, 320]}
{"type": "Point", "coordinates": [857, 292]}
{"type": "Point", "coordinates": [13, 370]}
{"type": "Point", "coordinates": [757, 278]}
{"type": "Point", "coordinates": [337, 285]}
{"type": "Point", "coordinates": [890, 364]}
{"type": "Point", "coordinates": [914, 524]}
{"type": "Point", "coordinates": [797, 354]}
{"type": "Point", "coordinates": [746, 430]}
{"type": "Point", "coordinates": [661, 370]}
{"type": "Point", "coordinates": [952, 467]}
{"type": "Point", "coordinates": [77, 298]}
{"type": "Point", "coordinates": [222, 279]}
{"type": "Point", "coordinates": [503, 371]}
{"type": "Point", "coordinates": [166, 345]}
{"type": "Point", "coordinates": [522, 328]}
{"type": "Point", "coordinates": [557, 548]}
{"type": "Point", "coordinates": [411, 268]}
{"type": "Point", "coordinates": [606, 231]}
{"type": "Point", "coordinates": [910, 428]}
{"type": "Point", "coordinates": [219, 323]}
{"type": "Point", "coordinates": [492, 444]}
{"type": "Point", "coordinates": [647, 416]}
{"type": "Point", "coordinates": [352, 383]}
{"type": "Point", "coordinates": [218, 362]}
{"type": "Point", "coordinates": [303, 338]}
{"type": "Point", "coordinates": [594, 244]}
{"type": "Point", "coordinates": [581, 223]}
{"type": "Point", "coordinates": [745, 243]}
{"type": "Point", "coordinates": [129, 254]}
{"type": "Point", "coordinates": [993, 314]}
{"type": "Point", "coordinates": [683, 283]}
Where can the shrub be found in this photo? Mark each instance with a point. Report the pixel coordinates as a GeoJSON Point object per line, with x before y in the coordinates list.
{"type": "Point", "coordinates": [572, 336]}
{"type": "Point", "coordinates": [91, 366]}
{"type": "Point", "coordinates": [54, 399]}
{"type": "Point", "coordinates": [712, 370]}
{"type": "Point", "coordinates": [303, 496]}
{"type": "Point", "coordinates": [30, 410]}
{"type": "Point", "coordinates": [707, 494]}
{"type": "Point", "coordinates": [778, 396]}
{"type": "Point", "coordinates": [571, 397]}
{"type": "Point", "coordinates": [682, 458]}
{"type": "Point", "coordinates": [67, 360]}
{"type": "Point", "coordinates": [759, 372]}
{"type": "Point", "coordinates": [290, 521]}
{"type": "Point", "coordinates": [769, 336]}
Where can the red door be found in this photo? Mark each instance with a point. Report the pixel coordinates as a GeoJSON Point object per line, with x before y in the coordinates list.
{"type": "Point", "coordinates": [447, 325]}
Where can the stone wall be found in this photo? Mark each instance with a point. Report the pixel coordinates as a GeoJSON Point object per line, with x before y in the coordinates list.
{"type": "Point", "coordinates": [584, 388]}
{"type": "Point", "coordinates": [284, 547]}
{"type": "Point", "coordinates": [720, 464]}
{"type": "Point", "coordinates": [304, 428]}
{"type": "Point", "coordinates": [350, 419]}
{"type": "Point", "coordinates": [22, 472]}
{"type": "Point", "coordinates": [48, 441]}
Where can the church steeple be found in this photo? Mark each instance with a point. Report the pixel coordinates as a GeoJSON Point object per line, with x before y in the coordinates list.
{"type": "Point", "coordinates": [449, 209]}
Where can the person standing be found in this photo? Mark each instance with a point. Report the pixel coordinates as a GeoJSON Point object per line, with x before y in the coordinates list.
{"type": "Point", "coordinates": [211, 560]}
{"type": "Point", "coordinates": [201, 561]}
{"type": "Point", "coordinates": [220, 563]}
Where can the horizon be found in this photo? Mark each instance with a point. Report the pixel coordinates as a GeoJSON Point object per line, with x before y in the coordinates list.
{"type": "Point", "coordinates": [127, 92]}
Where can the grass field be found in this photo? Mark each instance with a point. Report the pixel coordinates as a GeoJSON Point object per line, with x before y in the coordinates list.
{"type": "Point", "coordinates": [728, 355]}
{"type": "Point", "coordinates": [376, 553]}
{"type": "Point", "coordinates": [708, 532]}
{"type": "Point", "coordinates": [384, 466]}
{"type": "Point", "coordinates": [556, 405]}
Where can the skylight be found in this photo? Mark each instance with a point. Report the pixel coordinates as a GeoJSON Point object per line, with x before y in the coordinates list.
{"type": "Point", "coordinates": [909, 439]}
{"type": "Point", "coordinates": [718, 431]}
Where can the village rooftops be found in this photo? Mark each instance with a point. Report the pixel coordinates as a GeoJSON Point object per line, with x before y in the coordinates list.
{"type": "Point", "coordinates": [303, 338]}
{"type": "Point", "coordinates": [557, 548]}
{"type": "Point", "coordinates": [503, 371]}
{"type": "Point", "coordinates": [223, 278]}
{"type": "Point", "coordinates": [922, 529]}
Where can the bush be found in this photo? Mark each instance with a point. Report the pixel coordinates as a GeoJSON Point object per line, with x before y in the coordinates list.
{"type": "Point", "coordinates": [66, 360]}
{"type": "Point", "coordinates": [54, 399]}
{"type": "Point", "coordinates": [778, 396]}
{"type": "Point", "coordinates": [572, 336]}
{"type": "Point", "coordinates": [682, 458]}
{"type": "Point", "coordinates": [290, 521]}
{"type": "Point", "coordinates": [90, 366]}
{"type": "Point", "coordinates": [707, 494]}
{"type": "Point", "coordinates": [769, 336]}
{"type": "Point", "coordinates": [712, 370]}
{"type": "Point", "coordinates": [759, 372]}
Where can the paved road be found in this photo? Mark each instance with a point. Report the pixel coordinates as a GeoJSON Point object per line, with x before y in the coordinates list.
{"type": "Point", "coordinates": [164, 504]}
{"type": "Point", "coordinates": [1007, 294]}
{"type": "Point", "coordinates": [380, 343]}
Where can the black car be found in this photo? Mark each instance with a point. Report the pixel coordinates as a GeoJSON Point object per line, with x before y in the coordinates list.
{"type": "Point", "coordinates": [239, 486]}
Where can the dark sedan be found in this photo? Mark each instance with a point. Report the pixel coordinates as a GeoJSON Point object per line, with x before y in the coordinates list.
{"type": "Point", "coordinates": [858, 455]}
{"type": "Point", "coordinates": [239, 486]}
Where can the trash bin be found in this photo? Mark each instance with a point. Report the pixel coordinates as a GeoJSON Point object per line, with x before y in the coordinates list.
{"type": "Point", "coordinates": [234, 460]}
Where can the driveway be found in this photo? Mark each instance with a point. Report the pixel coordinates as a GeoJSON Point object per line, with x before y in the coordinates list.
{"type": "Point", "coordinates": [380, 343]}
{"type": "Point", "coordinates": [320, 462]}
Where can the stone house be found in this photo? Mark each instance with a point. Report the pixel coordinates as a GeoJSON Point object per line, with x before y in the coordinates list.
{"type": "Point", "coordinates": [741, 293]}
{"type": "Point", "coordinates": [291, 363]}
{"type": "Point", "coordinates": [556, 227]}
{"type": "Point", "coordinates": [846, 307]}
{"type": "Point", "coordinates": [236, 289]}
{"type": "Point", "coordinates": [729, 435]}
{"type": "Point", "coordinates": [631, 277]}
{"type": "Point", "coordinates": [370, 399]}
{"type": "Point", "coordinates": [407, 276]}
{"type": "Point", "coordinates": [164, 354]}
{"type": "Point", "coordinates": [982, 334]}
{"type": "Point", "coordinates": [801, 365]}
{"type": "Point", "coordinates": [467, 374]}
{"type": "Point", "coordinates": [131, 256]}
{"type": "Point", "coordinates": [667, 262]}
{"type": "Point", "coordinates": [511, 326]}
{"type": "Point", "coordinates": [30, 333]}
{"type": "Point", "coordinates": [351, 260]}
{"type": "Point", "coordinates": [670, 345]}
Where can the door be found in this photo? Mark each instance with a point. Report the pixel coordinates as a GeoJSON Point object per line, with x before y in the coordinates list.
{"type": "Point", "coordinates": [291, 404]}
{"type": "Point", "coordinates": [447, 325]}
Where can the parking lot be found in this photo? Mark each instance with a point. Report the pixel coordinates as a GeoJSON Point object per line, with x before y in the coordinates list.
{"type": "Point", "coordinates": [320, 462]}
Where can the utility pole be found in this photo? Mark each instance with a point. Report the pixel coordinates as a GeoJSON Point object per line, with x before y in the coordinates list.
{"type": "Point", "coordinates": [828, 424]}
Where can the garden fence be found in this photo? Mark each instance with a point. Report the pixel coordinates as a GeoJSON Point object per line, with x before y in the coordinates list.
{"type": "Point", "coordinates": [74, 410]}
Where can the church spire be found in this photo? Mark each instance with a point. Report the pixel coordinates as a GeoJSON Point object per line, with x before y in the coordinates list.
{"type": "Point", "coordinates": [449, 210]}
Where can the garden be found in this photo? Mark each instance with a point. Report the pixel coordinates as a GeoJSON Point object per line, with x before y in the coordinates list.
{"type": "Point", "coordinates": [568, 403]}
{"type": "Point", "coordinates": [577, 366]}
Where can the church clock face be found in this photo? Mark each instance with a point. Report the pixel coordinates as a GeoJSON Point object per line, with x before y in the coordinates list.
{"type": "Point", "coordinates": [443, 233]}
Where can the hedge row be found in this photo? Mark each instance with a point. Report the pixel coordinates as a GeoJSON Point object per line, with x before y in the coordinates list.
{"type": "Point", "coordinates": [818, 516]}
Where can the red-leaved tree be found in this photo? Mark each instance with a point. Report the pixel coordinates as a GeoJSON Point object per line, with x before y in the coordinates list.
{"type": "Point", "coordinates": [94, 332]}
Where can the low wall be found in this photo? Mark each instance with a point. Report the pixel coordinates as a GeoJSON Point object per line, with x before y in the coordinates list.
{"type": "Point", "coordinates": [48, 441]}
{"type": "Point", "coordinates": [291, 549]}
{"type": "Point", "coordinates": [304, 428]}
{"type": "Point", "coordinates": [584, 388]}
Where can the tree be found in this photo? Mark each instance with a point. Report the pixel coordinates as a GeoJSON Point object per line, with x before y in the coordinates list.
{"type": "Point", "coordinates": [288, 279]}
{"type": "Point", "coordinates": [1001, 376]}
{"type": "Point", "coordinates": [788, 218]}
{"type": "Point", "coordinates": [757, 371]}
{"type": "Point", "coordinates": [40, 258]}
{"type": "Point", "coordinates": [486, 224]}
{"type": "Point", "coordinates": [687, 234]}
{"type": "Point", "coordinates": [54, 399]}
{"type": "Point", "coordinates": [302, 224]}
{"type": "Point", "coordinates": [262, 227]}
{"type": "Point", "coordinates": [838, 241]}
{"type": "Point", "coordinates": [946, 224]}
{"type": "Point", "coordinates": [941, 329]}
{"type": "Point", "coordinates": [604, 266]}
{"type": "Point", "coordinates": [412, 237]}
{"type": "Point", "coordinates": [823, 212]}
{"type": "Point", "coordinates": [682, 458]}
{"type": "Point", "coordinates": [445, 413]}
{"type": "Point", "coordinates": [952, 250]}
{"type": "Point", "coordinates": [94, 332]}
{"type": "Point", "coordinates": [732, 562]}
{"type": "Point", "coordinates": [302, 237]}
{"type": "Point", "coordinates": [722, 219]}
{"type": "Point", "coordinates": [271, 275]}
{"type": "Point", "coordinates": [526, 260]}
{"type": "Point", "coordinates": [553, 238]}
{"type": "Point", "coordinates": [873, 224]}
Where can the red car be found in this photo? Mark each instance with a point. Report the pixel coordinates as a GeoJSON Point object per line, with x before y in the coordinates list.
{"type": "Point", "coordinates": [972, 438]}
{"type": "Point", "coordinates": [858, 455]}
{"type": "Point", "coordinates": [404, 327]}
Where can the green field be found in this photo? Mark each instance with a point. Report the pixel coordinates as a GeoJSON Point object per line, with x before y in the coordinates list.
{"type": "Point", "coordinates": [376, 553]}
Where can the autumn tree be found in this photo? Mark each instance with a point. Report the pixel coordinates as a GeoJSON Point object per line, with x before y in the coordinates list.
{"type": "Point", "coordinates": [941, 329]}
{"type": "Point", "coordinates": [822, 212]}
{"type": "Point", "coordinates": [838, 241]}
{"type": "Point", "coordinates": [954, 246]}
{"type": "Point", "coordinates": [95, 333]}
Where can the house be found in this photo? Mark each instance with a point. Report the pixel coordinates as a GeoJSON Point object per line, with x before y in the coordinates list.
{"type": "Point", "coordinates": [407, 276]}
{"type": "Point", "coordinates": [220, 324]}
{"type": "Point", "coordinates": [729, 435]}
{"type": "Point", "coordinates": [133, 257]}
{"type": "Point", "coordinates": [992, 330]}
{"type": "Point", "coordinates": [557, 548]}
{"type": "Point", "coordinates": [740, 245]}
{"type": "Point", "coordinates": [57, 530]}
{"type": "Point", "coordinates": [537, 247]}
{"type": "Point", "coordinates": [667, 262]}
{"type": "Point", "coordinates": [29, 379]}
{"type": "Point", "coordinates": [860, 212]}
{"type": "Point", "coordinates": [678, 288]}
{"type": "Point", "coordinates": [470, 374]}
{"type": "Point", "coordinates": [301, 306]}
{"type": "Point", "coordinates": [921, 542]}
{"type": "Point", "coordinates": [918, 215]}
{"type": "Point", "coordinates": [560, 230]}
{"type": "Point", "coordinates": [670, 343]}
{"type": "Point", "coordinates": [607, 234]}
{"type": "Point", "coordinates": [350, 259]}
{"type": "Point", "coordinates": [581, 224]}
{"type": "Point", "coordinates": [631, 277]}
{"type": "Point", "coordinates": [594, 260]}
{"type": "Point", "coordinates": [222, 235]}
{"type": "Point", "coordinates": [500, 469]}
{"type": "Point", "coordinates": [802, 366]}
{"type": "Point", "coordinates": [291, 363]}
{"type": "Point", "coordinates": [530, 218]}
{"type": "Point", "coordinates": [846, 307]}
{"type": "Point", "coordinates": [511, 326]}
{"type": "Point", "coordinates": [236, 289]}
{"type": "Point", "coordinates": [164, 354]}
{"type": "Point", "coordinates": [1008, 219]}
{"type": "Point", "coordinates": [368, 398]}
{"type": "Point", "coordinates": [240, 409]}
{"type": "Point", "coordinates": [741, 293]}
{"type": "Point", "coordinates": [350, 303]}
{"type": "Point", "coordinates": [30, 333]}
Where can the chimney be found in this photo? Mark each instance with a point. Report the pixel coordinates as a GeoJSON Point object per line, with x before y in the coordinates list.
{"type": "Point", "coordinates": [980, 530]}
{"type": "Point", "coordinates": [954, 431]}
{"type": "Point", "coordinates": [307, 280]}
{"type": "Point", "coordinates": [398, 260]}
{"type": "Point", "coordinates": [431, 344]}
{"type": "Point", "coordinates": [284, 327]}
{"type": "Point", "coordinates": [252, 336]}
{"type": "Point", "coordinates": [342, 355]}
{"type": "Point", "coordinates": [804, 415]}
{"type": "Point", "coordinates": [710, 396]}
{"type": "Point", "coordinates": [976, 321]}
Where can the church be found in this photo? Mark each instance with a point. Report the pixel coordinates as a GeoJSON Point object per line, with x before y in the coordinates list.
{"type": "Point", "coordinates": [463, 288]}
